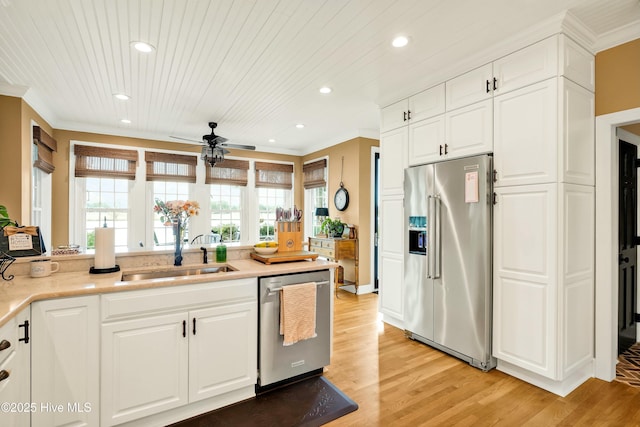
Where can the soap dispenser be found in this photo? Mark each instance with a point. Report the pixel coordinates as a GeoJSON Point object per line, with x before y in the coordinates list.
{"type": "Point", "coordinates": [221, 253]}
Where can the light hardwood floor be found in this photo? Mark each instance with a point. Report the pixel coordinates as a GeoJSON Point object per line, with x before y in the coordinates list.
{"type": "Point", "coordinates": [400, 382]}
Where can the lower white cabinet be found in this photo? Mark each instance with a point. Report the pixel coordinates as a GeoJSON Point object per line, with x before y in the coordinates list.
{"type": "Point", "coordinates": [15, 350]}
{"type": "Point", "coordinates": [392, 259]}
{"type": "Point", "coordinates": [169, 347]}
{"type": "Point", "coordinates": [544, 283]}
{"type": "Point", "coordinates": [65, 362]}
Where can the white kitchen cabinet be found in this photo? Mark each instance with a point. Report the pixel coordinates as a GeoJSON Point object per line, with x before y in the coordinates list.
{"type": "Point", "coordinates": [469, 88]}
{"type": "Point", "coordinates": [221, 340]}
{"type": "Point", "coordinates": [15, 379]}
{"type": "Point", "coordinates": [65, 361]}
{"type": "Point", "coordinates": [420, 106]}
{"type": "Point", "coordinates": [469, 130]}
{"type": "Point", "coordinates": [544, 133]}
{"type": "Point", "coordinates": [166, 348]}
{"type": "Point", "coordinates": [543, 282]}
{"type": "Point", "coordinates": [393, 160]}
{"type": "Point", "coordinates": [426, 140]}
{"type": "Point", "coordinates": [392, 236]}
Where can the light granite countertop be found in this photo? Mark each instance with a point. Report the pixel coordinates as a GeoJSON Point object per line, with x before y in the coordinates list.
{"type": "Point", "coordinates": [18, 293]}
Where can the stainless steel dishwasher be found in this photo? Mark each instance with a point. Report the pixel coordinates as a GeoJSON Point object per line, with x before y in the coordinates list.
{"type": "Point", "coordinates": [277, 363]}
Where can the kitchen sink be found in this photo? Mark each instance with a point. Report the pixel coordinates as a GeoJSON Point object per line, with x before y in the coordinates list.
{"type": "Point", "coordinates": [178, 272]}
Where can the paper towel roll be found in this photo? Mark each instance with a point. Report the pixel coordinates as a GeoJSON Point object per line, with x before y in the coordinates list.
{"type": "Point", "coordinates": [105, 248]}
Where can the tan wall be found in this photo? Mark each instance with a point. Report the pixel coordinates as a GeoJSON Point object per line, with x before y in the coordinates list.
{"type": "Point", "coordinates": [618, 78]}
{"type": "Point", "coordinates": [356, 177]}
{"type": "Point", "coordinates": [16, 119]}
{"type": "Point", "coordinates": [60, 220]}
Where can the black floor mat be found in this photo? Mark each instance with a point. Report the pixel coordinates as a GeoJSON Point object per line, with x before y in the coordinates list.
{"type": "Point", "coordinates": [312, 402]}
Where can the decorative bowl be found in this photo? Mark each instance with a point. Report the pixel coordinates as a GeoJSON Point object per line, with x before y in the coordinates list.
{"type": "Point", "coordinates": [266, 251]}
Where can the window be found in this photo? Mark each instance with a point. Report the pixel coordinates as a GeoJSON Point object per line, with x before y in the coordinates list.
{"type": "Point", "coordinates": [42, 154]}
{"type": "Point", "coordinates": [315, 194]}
{"type": "Point", "coordinates": [227, 181]}
{"type": "Point", "coordinates": [104, 178]}
{"type": "Point", "coordinates": [165, 191]}
{"type": "Point", "coordinates": [274, 188]}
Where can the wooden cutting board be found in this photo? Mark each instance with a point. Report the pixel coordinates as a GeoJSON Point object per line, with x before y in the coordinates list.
{"type": "Point", "coordinates": [284, 256]}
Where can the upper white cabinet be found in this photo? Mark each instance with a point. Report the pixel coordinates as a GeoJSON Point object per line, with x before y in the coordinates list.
{"type": "Point", "coordinates": [166, 348]}
{"type": "Point", "coordinates": [423, 105]}
{"type": "Point", "coordinates": [469, 88]}
{"type": "Point", "coordinates": [427, 140]}
{"type": "Point", "coordinates": [65, 362]}
{"type": "Point", "coordinates": [15, 375]}
{"type": "Point", "coordinates": [544, 133]}
{"type": "Point", "coordinates": [469, 130]}
{"type": "Point", "coordinates": [393, 160]}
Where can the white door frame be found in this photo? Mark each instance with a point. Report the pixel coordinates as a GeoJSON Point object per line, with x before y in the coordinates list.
{"type": "Point", "coordinates": [606, 286]}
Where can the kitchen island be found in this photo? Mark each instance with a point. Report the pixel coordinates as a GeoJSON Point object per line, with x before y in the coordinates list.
{"type": "Point", "coordinates": [140, 352]}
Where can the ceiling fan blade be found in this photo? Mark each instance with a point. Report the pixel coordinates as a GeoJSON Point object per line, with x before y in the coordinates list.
{"type": "Point", "coordinates": [185, 139]}
{"type": "Point", "coordinates": [239, 146]}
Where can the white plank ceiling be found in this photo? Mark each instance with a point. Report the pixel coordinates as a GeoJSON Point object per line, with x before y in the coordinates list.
{"type": "Point", "coordinates": [255, 66]}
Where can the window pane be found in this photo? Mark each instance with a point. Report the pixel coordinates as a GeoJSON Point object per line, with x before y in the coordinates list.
{"type": "Point", "coordinates": [226, 212]}
{"type": "Point", "coordinates": [100, 206]}
{"type": "Point", "coordinates": [166, 191]}
{"type": "Point", "coordinates": [268, 200]}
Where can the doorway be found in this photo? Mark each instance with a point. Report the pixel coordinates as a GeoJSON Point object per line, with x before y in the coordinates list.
{"type": "Point", "coordinates": [606, 298]}
{"type": "Point", "coordinates": [627, 241]}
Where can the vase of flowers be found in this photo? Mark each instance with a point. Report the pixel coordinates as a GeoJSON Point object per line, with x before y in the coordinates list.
{"type": "Point", "coordinates": [176, 213]}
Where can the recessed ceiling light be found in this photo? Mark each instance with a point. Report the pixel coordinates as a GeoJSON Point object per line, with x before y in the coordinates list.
{"type": "Point", "coordinates": [272, 140]}
{"type": "Point", "coordinates": [125, 121]}
{"type": "Point", "coordinates": [143, 47]}
{"type": "Point", "coordinates": [299, 125]}
{"type": "Point", "coordinates": [122, 96]}
{"type": "Point", "coordinates": [325, 89]}
{"type": "Point", "coordinates": [400, 41]}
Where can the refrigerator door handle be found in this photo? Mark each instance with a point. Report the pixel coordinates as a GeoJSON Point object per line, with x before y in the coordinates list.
{"type": "Point", "coordinates": [436, 248]}
{"type": "Point", "coordinates": [430, 237]}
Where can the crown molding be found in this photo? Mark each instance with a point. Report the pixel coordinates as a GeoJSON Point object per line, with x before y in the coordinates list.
{"type": "Point", "coordinates": [12, 90]}
{"type": "Point", "coordinates": [618, 36]}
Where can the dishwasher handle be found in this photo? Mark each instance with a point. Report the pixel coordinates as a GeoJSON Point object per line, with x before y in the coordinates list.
{"type": "Point", "coordinates": [279, 288]}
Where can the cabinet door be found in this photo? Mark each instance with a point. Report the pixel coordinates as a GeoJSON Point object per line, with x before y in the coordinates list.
{"type": "Point", "coordinates": [393, 160]}
{"type": "Point", "coordinates": [65, 362]}
{"type": "Point", "coordinates": [427, 103]}
{"type": "Point", "coordinates": [469, 130]}
{"type": "Point", "coordinates": [527, 66]}
{"type": "Point", "coordinates": [14, 362]}
{"type": "Point", "coordinates": [426, 139]}
{"type": "Point", "coordinates": [469, 88]}
{"type": "Point", "coordinates": [525, 303]}
{"type": "Point", "coordinates": [392, 257]}
{"type": "Point", "coordinates": [394, 116]}
{"type": "Point", "coordinates": [222, 349]}
{"type": "Point", "coordinates": [144, 367]}
{"type": "Point", "coordinates": [526, 135]}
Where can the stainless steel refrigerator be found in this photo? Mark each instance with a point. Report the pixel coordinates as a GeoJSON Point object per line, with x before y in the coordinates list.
{"type": "Point", "coordinates": [448, 275]}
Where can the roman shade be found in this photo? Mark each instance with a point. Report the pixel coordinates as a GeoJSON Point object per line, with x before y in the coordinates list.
{"type": "Point", "coordinates": [45, 146]}
{"type": "Point", "coordinates": [233, 172]}
{"type": "Point", "coordinates": [274, 175]}
{"type": "Point", "coordinates": [170, 167]}
{"type": "Point", "coordinates": [314, 174]}
{"type": "Point", "coordinates": [105, 162]}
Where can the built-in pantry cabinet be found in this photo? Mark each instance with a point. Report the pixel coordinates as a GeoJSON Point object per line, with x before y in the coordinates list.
{"type": "Point", "coordinates": [65, 362]}
{"type": "Point", "coordinates": [165, 348]}
{"type": "Point", "coordinates": [537, 118]}
{"type": "Point", "coordinates": [15, 373]}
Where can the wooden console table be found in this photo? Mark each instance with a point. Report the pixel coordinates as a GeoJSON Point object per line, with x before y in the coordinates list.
{"type": "Point", "coordinates": [335, 250]}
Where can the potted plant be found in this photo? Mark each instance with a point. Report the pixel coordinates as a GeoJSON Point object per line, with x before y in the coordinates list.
{"type": "Point", "coordinates": [4, 217]}
{"type": "Point", "coordinates": [332, 227]}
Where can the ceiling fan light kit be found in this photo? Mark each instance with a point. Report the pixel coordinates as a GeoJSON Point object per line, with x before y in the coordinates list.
{"type": "Point", "coordinates": [214, 150]}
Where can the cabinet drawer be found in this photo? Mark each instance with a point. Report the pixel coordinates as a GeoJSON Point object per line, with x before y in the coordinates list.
{"type": "Point", "coordinates": [330, 244]}
{"type": "Point", "coordinates": [329, 253]}
{"type": "Point", "coordinates": [121, 305]}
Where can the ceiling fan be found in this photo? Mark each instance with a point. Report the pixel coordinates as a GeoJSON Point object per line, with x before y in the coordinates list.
{"type": "Point", "coordinates": [214, 150]}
